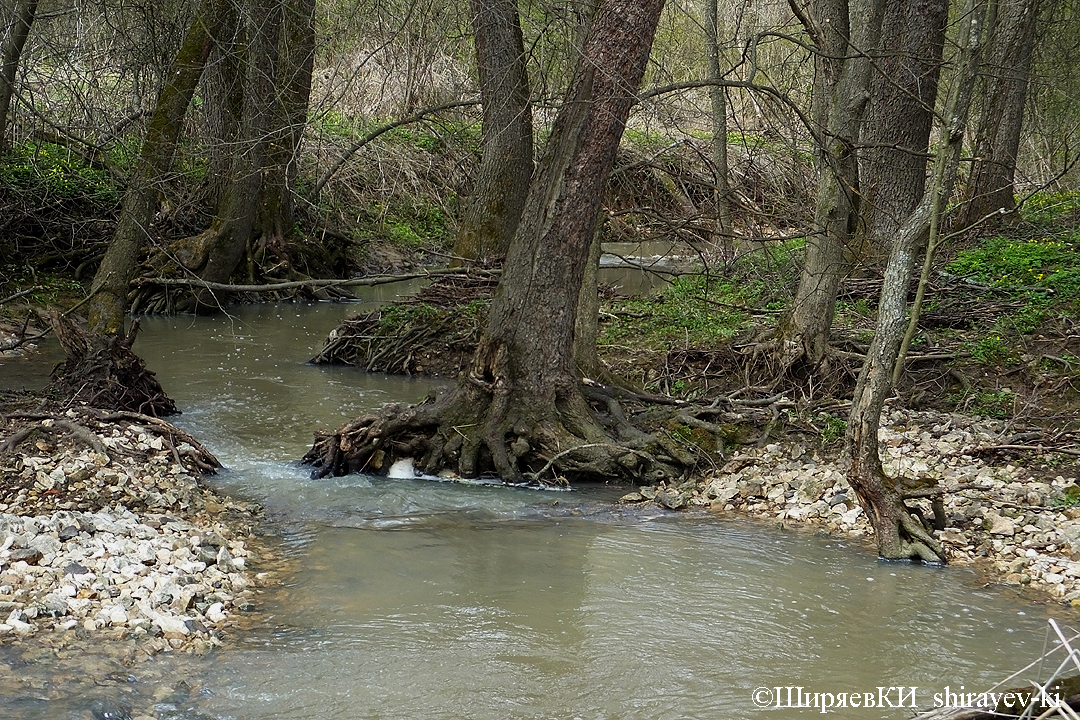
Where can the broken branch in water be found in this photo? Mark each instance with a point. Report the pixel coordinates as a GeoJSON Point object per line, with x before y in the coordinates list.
{"type": "Point", "coordinates": [314, 283]}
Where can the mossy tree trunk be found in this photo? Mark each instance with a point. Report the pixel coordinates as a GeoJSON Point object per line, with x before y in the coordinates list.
{"type": "Point", "coordinates": [255, 213]}
{"type": "Point", "coordinates": [16, 32]}
{"type": "Point", "coordinates": [840, 95]}
{"type": "Point", "coordinates": [899, 534]}
{"type": "Point", "coordinates": [289, 118]}
{"type": "Point", "coordinates": [506, 165]}
{"type": "Point", "coordinates": [111, 284]}
{"type": "Point", "coordinates": [520, 410]}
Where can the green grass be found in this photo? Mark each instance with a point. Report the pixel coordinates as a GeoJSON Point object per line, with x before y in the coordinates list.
{"type": "Point", "coordinates": [411, 224]}
{"type": "Point", "coordinates": [432, 136]}
{"type": "Point", "coordinates": [14, 278]}
{"type": "Point", "coordinates": [1051, 262]}
{"type": "Point", "coordinates": [691, 310]}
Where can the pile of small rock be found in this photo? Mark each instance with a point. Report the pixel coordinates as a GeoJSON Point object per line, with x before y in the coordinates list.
{"type": "Point", "coordinates": [119, 538]}
{"type": "Point", "coordinates": [1019, 526]}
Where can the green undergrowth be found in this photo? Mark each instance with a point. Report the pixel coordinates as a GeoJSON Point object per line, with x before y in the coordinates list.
{"type": "Point", "coordinates": [1038, 259]}
{"type": "Point", "coordinates": [51, 172]}
{"type": "Point", "coordinates": [434, 135]}
{"type": "Point", "coordinates": [395, 317]}
{"type": "Point", "coordinates": [1035, 269]}
{"type": "Point", "coordinates": [705, 309]}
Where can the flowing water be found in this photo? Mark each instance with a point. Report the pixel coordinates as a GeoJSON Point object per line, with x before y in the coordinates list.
{"type": "Point", "coordinates": [422, 600]}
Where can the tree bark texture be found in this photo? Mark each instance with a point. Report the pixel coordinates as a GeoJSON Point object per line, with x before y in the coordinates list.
{"type": "Point", "coordinates": [526, 355]}
{"type": "Point", "coordinates": [898, 534]}
{"type": "Point", "coordinates": [506, 165]}
{"type": "Point", "coordinates": [1007, 72]}
{"type": "Point", "coordinates": [110, 286]}
{"type": "Point", "coordinates": [289, 118]}
{"type": "Point", "coordinates": [899, 116]}
{"type": "Point", "coordinates": [223, 245]}
{"type": "Point", "coordinates": [17, 30]}
{"type": "Point", "coordinates": [841, 92]}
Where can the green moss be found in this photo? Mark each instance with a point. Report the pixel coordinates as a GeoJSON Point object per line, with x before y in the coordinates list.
{"type": "Point", "coordinates": [700, 438]}
{"type": "Point", "coordinates": [1069, 497]}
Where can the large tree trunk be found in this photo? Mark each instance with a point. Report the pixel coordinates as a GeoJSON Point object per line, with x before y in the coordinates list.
{"type": "Point", "coordinates": [841, 92]}
{"type": "Point", "coordinates": [900, 114]}
{"type": "Point", "coordinates": [220, 248]}
{"type": "Point", "coordinates": [289, 118]}
{"type": "Point", "coordinates": [255, 213]}
{"type": "Point", "coordinates": [16, 32]}
{"type": "Point", "coordinates": [1007, 70]}
{"type": "Point", "coordinates": [110, 287]}
{"type": "Point", "coordinates": [898, 534]}
{"type": "Point", "coordinates": [506, 167]}
{"type": "Point", "coordinates": [520, 409]}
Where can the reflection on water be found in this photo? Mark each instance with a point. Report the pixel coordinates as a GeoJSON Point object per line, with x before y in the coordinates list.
{"type": "Point", "coordinates": [417, 599]}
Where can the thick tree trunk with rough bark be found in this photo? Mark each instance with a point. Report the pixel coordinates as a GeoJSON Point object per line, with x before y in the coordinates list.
{"type": "Point", "coordinates": [506, 166]}
{"type": "Point", "coordinates": [289, 118]}
{"type": "Point", "coordinates": [111, 284]}
{"type": "Point", "coordinates": [899, 116]}
{"type": "Point", "coordinates": [900, 535]}
{"type": "Point", "coordinates": [16, 31]}
{"type": "Point", "coordinates": [1007, 72]}
{"type": "Point", "coordinates": [841, 92]}
{"type": "Point", "coordinates": [520, 410]}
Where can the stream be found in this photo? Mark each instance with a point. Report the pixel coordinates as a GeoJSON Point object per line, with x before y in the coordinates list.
{"type": "Point", "coordinates": [419, 599]}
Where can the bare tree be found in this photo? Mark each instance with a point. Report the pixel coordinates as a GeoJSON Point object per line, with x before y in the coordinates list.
{"type": "Point", "coordinates": [840, 96]}
{"type": "Point", "coordinates": [111, 284]}
{"type": "Point", "coordinates": [719, 116]}
{"type": "Point", "coordinates": [896, 133]}
{"type": "Point", "coordinates": [900, 535]}
{"type": "Point", "coordinates": [255, 213]}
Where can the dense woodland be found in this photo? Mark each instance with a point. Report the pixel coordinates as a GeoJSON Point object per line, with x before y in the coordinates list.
{"type": "Point", "coordinates": [856, 179]}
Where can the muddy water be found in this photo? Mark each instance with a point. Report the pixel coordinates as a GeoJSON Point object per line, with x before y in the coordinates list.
{"type": "Point", "coordinates": [418, 599]}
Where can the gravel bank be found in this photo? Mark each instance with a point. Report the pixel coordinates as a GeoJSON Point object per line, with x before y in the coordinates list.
{"type": "Point", "coordinates": [106, 529]}
{"type": "Point", "coordinates": [1022, 527]}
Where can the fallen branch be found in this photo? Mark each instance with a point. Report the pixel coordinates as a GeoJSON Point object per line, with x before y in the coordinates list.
{"type": "Point", "coordinates": [1031, 448]}
{"type": "Point", "coordinates": [19, 294]}
{"type": "Point", "coordinates": [293, 284]}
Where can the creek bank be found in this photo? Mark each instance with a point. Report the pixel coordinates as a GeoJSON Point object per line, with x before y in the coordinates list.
{"type": "Point", "coordinates": [107, 531]}
{"type": "Point", "coordinates": [1020, 527]}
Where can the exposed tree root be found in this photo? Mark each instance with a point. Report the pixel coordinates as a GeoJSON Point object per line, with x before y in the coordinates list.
{"type": "Point", "coordinates": [83, 426]}
{"type": "Point", "coordinates": [902, 533]}
{"type": "Point", "coordinates": [434, 333]}
{"type": "Point", "coordinates": [477, 430]}
{"type": "Point", "coordinates": [105, 373]}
